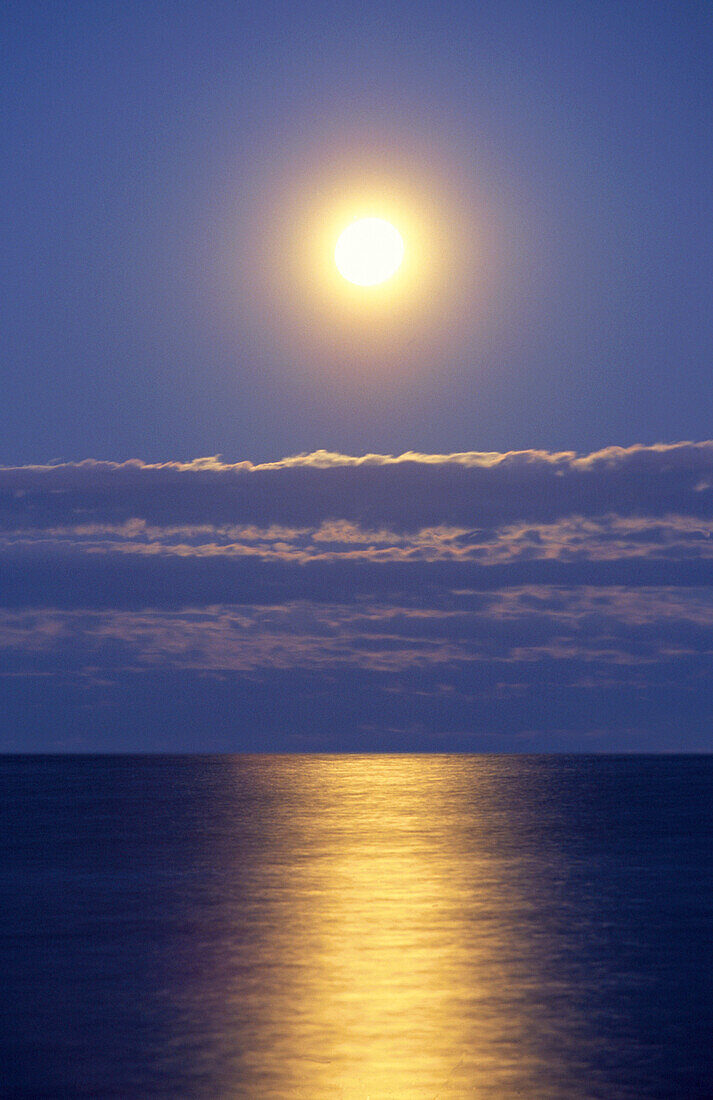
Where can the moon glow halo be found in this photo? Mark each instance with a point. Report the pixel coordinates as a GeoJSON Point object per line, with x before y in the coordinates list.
{"type": "Point", "coordinates": [369, 251]}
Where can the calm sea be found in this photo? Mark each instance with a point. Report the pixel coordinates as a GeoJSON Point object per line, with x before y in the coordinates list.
{"type": "Point", "coordinates": [356, 926]}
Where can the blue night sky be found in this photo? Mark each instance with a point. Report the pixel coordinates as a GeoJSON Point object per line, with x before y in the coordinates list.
{"type": "Point", "coordinates": [459, 516]}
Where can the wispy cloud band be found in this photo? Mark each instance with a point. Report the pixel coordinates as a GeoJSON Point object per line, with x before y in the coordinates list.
{"type": "Point", "coordinates": [448, 594]}
{"type": "Point", "coordinates": [403, 493]}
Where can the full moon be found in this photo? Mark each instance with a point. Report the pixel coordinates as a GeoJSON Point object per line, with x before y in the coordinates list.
{"type": "Point", "coordinates": [369, 251]}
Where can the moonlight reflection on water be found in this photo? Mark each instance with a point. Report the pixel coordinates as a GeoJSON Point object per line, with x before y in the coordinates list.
{"type": "Point", "coordinates": [356, 926]}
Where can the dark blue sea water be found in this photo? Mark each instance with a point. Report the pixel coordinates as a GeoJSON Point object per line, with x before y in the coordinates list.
{"type": "Point", "coordinates": [363, 927]}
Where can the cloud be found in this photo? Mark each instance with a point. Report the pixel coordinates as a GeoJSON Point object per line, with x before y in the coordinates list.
{"type": "Point", "coordinates": [172, 534]}
{"type": "Point", "coordinates": [610, 626]}
{"type": "Point", "coordinates": [496, 596]}
{"type": "Point", "coordinates": [531, 669]}
{"type": "Point", "coordinates": [402, 493]}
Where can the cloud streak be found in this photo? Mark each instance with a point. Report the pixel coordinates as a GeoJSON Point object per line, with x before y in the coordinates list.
{"type": "Point", "coordinates": [404, 493]}
{"type": "Point", "coordinates": [495, 596]}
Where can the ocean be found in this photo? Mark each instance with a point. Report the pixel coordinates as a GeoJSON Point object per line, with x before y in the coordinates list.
{"type": "Point", "coordinates": [367, 927]}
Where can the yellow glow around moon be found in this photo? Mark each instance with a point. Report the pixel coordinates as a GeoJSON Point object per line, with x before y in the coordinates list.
{"type": "Point", "coordinates": [369, 251]}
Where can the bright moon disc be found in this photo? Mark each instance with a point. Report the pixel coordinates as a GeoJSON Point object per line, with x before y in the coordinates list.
{"type": "Point", "coordinates": [369, 251]}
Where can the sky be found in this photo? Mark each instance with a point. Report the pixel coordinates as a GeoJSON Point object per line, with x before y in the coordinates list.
{"type": "Point", "coordinates": [243, 507]}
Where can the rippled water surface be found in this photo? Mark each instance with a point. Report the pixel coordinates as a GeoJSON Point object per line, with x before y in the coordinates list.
{"type": "Point", "coordinates": [344, 926]}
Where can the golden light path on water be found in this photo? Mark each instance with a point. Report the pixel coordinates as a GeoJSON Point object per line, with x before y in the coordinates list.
{"type": "Point", "coordinates": [377, 941]}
